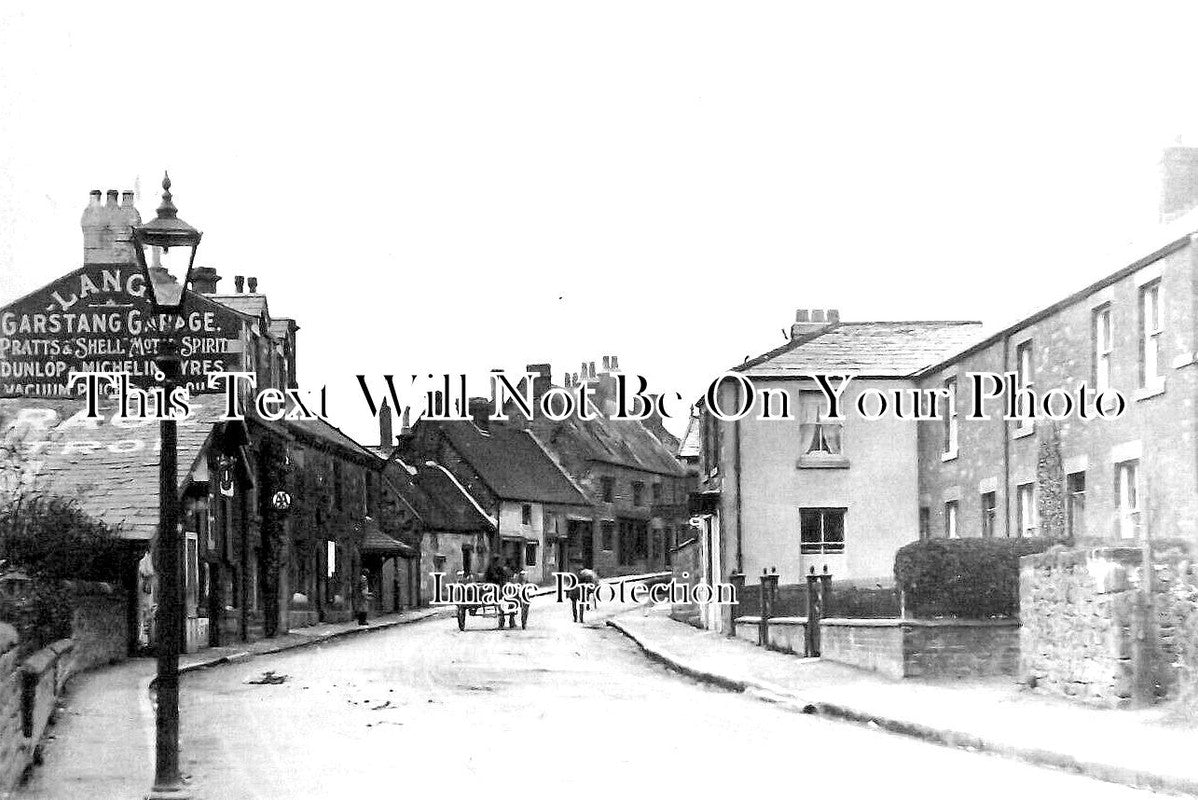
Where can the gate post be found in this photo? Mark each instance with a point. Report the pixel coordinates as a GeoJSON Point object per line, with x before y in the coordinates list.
{"type": "Point", "coordinates": [737, 579]}
{"type": "Point", "coordinates": [814, 612]}
{"type": "Point", "coordinates": [769, 588]}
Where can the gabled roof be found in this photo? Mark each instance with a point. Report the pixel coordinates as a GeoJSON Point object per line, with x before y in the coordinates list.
{"type": "Point", "coordinates": [251, 304]}
{"type": "Point", "coordinates": [865, 349]}
{"type": "Point", "coordinates": [511, 463]}
{"type": "Point", "coordinates": [110, 469]}
{"type": "Point", "coordinates": [691, 439]}
{"type": "Point", "coordinates": [438, 500]}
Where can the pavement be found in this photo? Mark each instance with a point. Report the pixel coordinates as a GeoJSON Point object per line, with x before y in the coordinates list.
{"type": "Point", "coordinates": [1142, 749]}
{"type": "Point", "coordinates": [558, 709]}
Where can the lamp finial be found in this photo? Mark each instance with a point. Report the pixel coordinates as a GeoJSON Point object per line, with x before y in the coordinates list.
{"type": "Point", "coordinates": [167, 210]}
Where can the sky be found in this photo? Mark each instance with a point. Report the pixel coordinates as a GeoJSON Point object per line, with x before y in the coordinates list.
{"type": "Point", "coordinates": [456, 187]}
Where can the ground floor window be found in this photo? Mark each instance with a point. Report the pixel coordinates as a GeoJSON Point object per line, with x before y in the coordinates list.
{"type": "Point", "coordinates": [989, 513]}
{"type": "Point", "coordinates": [530, 555]}
{"type": "Point", "coordinates": [1028, 517]}
{"type": "Point", "coordinates": [1127, 495]}
{"type": "Point", "coordinates": [1075, 509]}
{"type": "Point", "coordinates": [607, 534]}
{"type": "Point", "coordinates": [821, 530]}
{"type": "Point", "coordinates": [950, 519]}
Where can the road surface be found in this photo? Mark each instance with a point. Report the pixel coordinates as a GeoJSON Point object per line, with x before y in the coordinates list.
{"type": "Point", "coordinates": [558, 709]}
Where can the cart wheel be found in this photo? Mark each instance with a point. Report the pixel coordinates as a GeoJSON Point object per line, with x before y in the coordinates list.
{"type": "Point", "coordinates": [461, 618]}
{"type": "Point", "coordinates": [523, 617]}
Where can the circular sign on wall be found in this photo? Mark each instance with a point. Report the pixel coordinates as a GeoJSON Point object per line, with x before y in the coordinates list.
{"type": "Point", "coordinates": [281, 501]}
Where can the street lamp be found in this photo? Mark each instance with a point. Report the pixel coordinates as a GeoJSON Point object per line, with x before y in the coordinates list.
{"type": "Point", "coordinates": [166, 249]}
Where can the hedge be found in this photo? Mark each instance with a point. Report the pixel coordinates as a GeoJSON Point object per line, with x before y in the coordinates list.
{"type": "Point", "coordinates": [964, 578]}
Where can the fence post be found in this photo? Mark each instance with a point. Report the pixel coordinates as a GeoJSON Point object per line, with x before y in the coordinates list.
{"type": "Point", "coordinates": [737, 579]}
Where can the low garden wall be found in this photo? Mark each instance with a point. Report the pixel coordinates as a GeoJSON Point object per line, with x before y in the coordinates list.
{"type": "Point", "coordinates": [902, 648]}
{"type": "Point", "coordinates": [29, 691]}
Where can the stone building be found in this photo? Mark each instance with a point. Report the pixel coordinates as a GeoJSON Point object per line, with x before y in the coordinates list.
{"type": "Point", "coordinates": [524, 497]}
{"type": "Point", "coordinates": [636, 487]}
{"type": "Point", "coordinates": [251, 569]}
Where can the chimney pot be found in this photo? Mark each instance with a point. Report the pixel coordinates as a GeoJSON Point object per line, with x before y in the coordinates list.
{"type": "Point", "coordinates": [239, 283]}
{"type": "Point", "coordinates": [127, 198]}
{"type": "Point", "coordinates": [253, 283]}
{"type": "Point", "coordinates": [833, 315]}
{"type": "Point", "coordinates": [592, 369]}
{"type": "Point", "coordinates": [113, 197]}
{"type": "Point", "coordinates": [94, 199]}
{"type": "Point", "coordinates": [802, 315]}
{"type": "Point", "coordinates": [615, 363]}
{"type": "Point", "coordinates": [817, 315]}
{"type": "Point", "coordinates": [607, 362]}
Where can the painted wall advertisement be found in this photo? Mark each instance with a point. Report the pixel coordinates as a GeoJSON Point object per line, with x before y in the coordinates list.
{"type": "Point", "coordinates": [97, 319]}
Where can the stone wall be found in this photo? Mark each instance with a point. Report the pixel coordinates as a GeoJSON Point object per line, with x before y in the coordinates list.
{"type": "Point", "coordinates": [29, 691]}
{"type": "Point", "coordinates": [99, 628]}
{"type": "Point", "coordinates": [1079, 609]}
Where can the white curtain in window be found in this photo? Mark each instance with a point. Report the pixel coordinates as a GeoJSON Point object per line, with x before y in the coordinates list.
{"type": "Point", "coordinates": [809, 422]}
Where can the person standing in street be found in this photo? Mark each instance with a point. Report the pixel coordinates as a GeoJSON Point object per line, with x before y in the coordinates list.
{"type": "Point", "coordinates": [362, 597]}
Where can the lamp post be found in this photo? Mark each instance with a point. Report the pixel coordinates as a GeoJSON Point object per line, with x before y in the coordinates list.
{"type": "Point", "coordinates": [166, 248]}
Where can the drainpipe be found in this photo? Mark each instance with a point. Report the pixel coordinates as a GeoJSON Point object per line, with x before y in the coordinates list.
{"type": "Point", "coordinates": [740, 563]}
{"type": "Point", "coordinates": [1006, 450]}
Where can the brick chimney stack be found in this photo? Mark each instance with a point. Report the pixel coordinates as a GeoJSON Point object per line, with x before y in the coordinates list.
{"type": "Point", "coordinates": [1179, 181]}
{"type": "Point", "coordinates": [204, 280]}
{"type": "Point", "coordinates": [386, 436]}
{"type": "Point", "coordinates": [542, 381]}
{"type": "Point", "coordinates": [108, 229]}
{"type": "Point", "coordinates": [813, 320]}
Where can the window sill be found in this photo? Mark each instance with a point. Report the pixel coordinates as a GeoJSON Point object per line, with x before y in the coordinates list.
{"type": "Point", "coordinates": [822, 462]}
{"type": "Point", "coordinates": [1152, 390]}
{"type": "Point", "coordinates": [949, 456]}
{"type": "Point", "coordinates": [1184, 360]}
{"type": "Point", "coordinates": [1023, 431]}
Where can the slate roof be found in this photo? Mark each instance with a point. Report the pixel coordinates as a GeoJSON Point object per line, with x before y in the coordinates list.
{"type": "Point", "coordinates": [439, 502]}
{"type": "Point", "coordinates": [110, 469]}
{"type": "Point", "coordinates": [866, 349]}
{"type": "Point", "coordinates": [511, 463]}
{"type": "Point", "coordinates": [624, 442]}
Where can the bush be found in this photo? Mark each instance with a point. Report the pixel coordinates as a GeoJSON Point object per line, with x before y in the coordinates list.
{"type": "Point", "coordinates": [965, 578]}
{"type": "Point", "coordinates": [46, 543]}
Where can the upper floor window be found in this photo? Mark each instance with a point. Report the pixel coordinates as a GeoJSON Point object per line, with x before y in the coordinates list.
{"type": "Point", "coordinates": [816, 433]}
{"type": "Point", "coordinates": [338, 486]}
{"type": "Point", "coordinates": [1024, 378]}
{"type": "Point", "coordinates": [1150, 333]}
{"type": "Point", "coordinates": [821, 530]}
{"type": "Point", "coordinates": [607, 489]}
{"type": "Point", "coordinates": [951, 426]}
{"type": "Point", "coordinates": [526, 514]}
{"type": "Point", "coordinates": [638, 493]}
{"type": "Point", "coordinates": [1102, 348]}
{"type": "Point", "coordinates": [657, 492]}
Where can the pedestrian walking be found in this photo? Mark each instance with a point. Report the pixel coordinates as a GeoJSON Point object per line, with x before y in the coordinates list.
{"type": "Point", "coordinates": [580, 596]}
